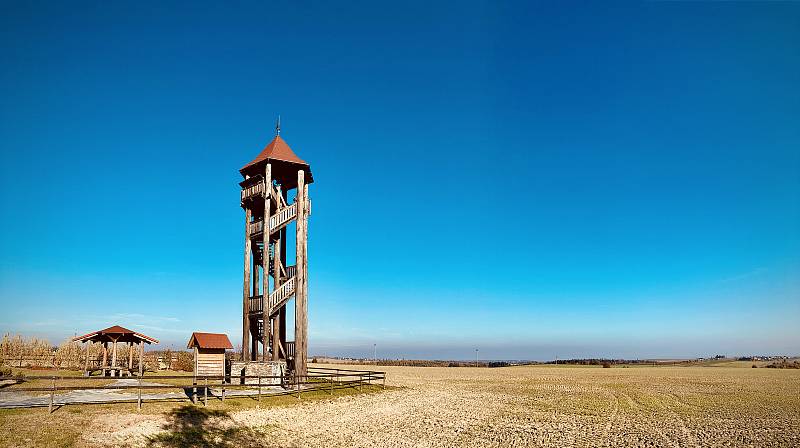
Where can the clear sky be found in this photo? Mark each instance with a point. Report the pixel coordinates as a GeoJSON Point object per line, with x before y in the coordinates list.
{"type": "Point", "coordinates": [571, 180]}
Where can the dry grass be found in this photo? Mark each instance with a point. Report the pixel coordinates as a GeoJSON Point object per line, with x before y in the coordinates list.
{"type": "Point", "coordinates": [517, 406]}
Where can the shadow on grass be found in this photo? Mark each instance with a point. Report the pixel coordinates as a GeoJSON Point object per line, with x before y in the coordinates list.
{"type": "Point", "coordinates": [193, 426]}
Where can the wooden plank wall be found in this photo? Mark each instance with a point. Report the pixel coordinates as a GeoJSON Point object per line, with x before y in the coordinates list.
{"type": "Point", "coordinates": [207, 364]}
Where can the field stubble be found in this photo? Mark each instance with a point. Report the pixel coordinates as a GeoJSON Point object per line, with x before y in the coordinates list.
{"type": "Point", "coordinates": [519, 406]}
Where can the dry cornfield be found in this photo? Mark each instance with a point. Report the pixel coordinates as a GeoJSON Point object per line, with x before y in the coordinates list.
{"type": "Point", "coordinates": [516, 406]}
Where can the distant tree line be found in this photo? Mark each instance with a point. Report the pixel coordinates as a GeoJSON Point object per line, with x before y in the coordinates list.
{"type": "Point", "coordinates": [599, 361]}
{"type": "Point", "coordinates": [784, 364]}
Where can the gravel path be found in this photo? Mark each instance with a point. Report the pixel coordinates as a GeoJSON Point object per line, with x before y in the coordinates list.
{"type": "Point", "coordinates": [525, 406]}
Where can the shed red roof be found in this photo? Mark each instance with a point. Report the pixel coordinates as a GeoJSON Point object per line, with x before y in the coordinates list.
{"type": "Point", "coordinates": [277, 149]}
{"type": "Point", "coordinates": [209, 340]}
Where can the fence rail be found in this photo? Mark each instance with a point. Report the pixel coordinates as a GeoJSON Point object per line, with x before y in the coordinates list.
{"type": "Point", "coordinates": [318, 378]}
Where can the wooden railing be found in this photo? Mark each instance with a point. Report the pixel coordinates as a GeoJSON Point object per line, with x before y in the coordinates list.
{"type": "Point", "coordinates": [281, 219]}
{"type": "Point", "coordinates": [276, 222]}
{"type": "Point", "coordinates": [281, 295]}
{"type": "Point", "coordinates": [290, 349]}
{"type": "Point", "coordinates": [256, 189]}
{"type": "Point", "coordinates": [277, 297]}
{"type": "Point", "coordinates": [256, 227]}
{"type": "Point", "coordinates": [256, 304]}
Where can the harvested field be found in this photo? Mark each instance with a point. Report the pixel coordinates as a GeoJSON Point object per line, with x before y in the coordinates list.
{"type": "Point", "coordinates": [515, 406]}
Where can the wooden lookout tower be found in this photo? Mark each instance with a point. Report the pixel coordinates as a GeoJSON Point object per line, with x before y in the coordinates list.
{"type": "Point", "coordinates": [275, 200]}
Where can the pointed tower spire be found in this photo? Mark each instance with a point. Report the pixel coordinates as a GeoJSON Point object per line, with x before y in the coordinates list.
{"type": "Point", "coordinates": [278, 126]}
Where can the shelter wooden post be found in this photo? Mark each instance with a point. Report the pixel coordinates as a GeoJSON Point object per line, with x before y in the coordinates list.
{"type": "Point", "coordinates": [114, 357]}
{"type": "Point", "coordinates": [88, 346]}
{"type": "Point", "coordinates": [141, 359]}
{"type": "Point", "coordinates": [246, 301]}
{"type": "Point", "coordinates": [130, 356]}
{"type": "Point", "coordinates": [105, 358]}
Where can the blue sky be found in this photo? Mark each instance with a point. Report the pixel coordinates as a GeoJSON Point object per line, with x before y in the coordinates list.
{"type": "Point", "coordinates": [533, 180]}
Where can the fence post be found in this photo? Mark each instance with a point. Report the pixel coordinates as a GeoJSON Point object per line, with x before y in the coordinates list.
{"type": "Point", "coordinates": [384, 380]}
{"type": "Point", "coordinates": [139, 401]}
{"type": "Point", "coordinates": [259, 387]}
{"type": "Point", "coordinates": [297, 380]}
{"type": "Point", "coordinates": [52, 394]}
{"type": "Point", "coordinates": [205, 396]}
{"type": "Point", "coordinates": [223, 389]}
{"type": "Point", "coordinates": [331, 384]}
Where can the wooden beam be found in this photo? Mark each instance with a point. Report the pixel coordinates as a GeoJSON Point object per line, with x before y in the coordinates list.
{"type": "Point", "coordinates": [300, 303]}
{"type": "Point", "coordinates": [306, 209]}
{"type": "Point", "coordinates": [114, 355]}
{"type": "Point", "coordinates": [105, 354]}
{"type": "Point", "coordinates": [246, 301]}
{"type": "Point", "coordinates": [256, 288]}
{"type": "Point", "coordinates": [265, 259]}
{"type": "Point", "coordinates": [86, 367]}
{"type": "Point", "coordinates": [141, 358]}
{"type": "Point", "coordinates": [130, 355]}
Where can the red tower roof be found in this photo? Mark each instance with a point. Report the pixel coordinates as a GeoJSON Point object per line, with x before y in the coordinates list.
{"type": "Point", "coordinates": [278, 151]}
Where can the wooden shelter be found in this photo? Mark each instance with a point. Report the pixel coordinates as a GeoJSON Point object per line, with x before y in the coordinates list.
{"type": "Point", "coordinates": [269, 283]}
{"type": "Point", "coordinates": [114, 336]}
{"type": "Point", "coordinates": [209, 353]}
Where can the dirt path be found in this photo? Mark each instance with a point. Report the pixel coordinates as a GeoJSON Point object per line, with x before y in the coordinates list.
{"type": "Point", "coordinates": [13, 399]}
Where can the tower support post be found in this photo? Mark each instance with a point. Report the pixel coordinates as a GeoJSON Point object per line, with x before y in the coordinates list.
{"type": "Point", "coordinates": [265, 261]}
{"type": "Point", "coordinates": [254, 322]}
{"type": "Point", "coordinates": [246, 300]}
{"type": "Point", "coordinates": [301, 299]}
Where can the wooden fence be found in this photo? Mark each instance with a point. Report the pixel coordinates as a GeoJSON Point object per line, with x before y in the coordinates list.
{"type": "Point", "coordinates": [318, 379]}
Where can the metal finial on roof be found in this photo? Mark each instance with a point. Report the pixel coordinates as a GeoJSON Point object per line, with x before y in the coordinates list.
{"type": "Point", "coordinates": [278, 126]}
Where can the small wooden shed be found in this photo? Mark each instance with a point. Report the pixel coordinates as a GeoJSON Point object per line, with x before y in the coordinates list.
{"type": "Point", "coordinates": [209, 353]}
